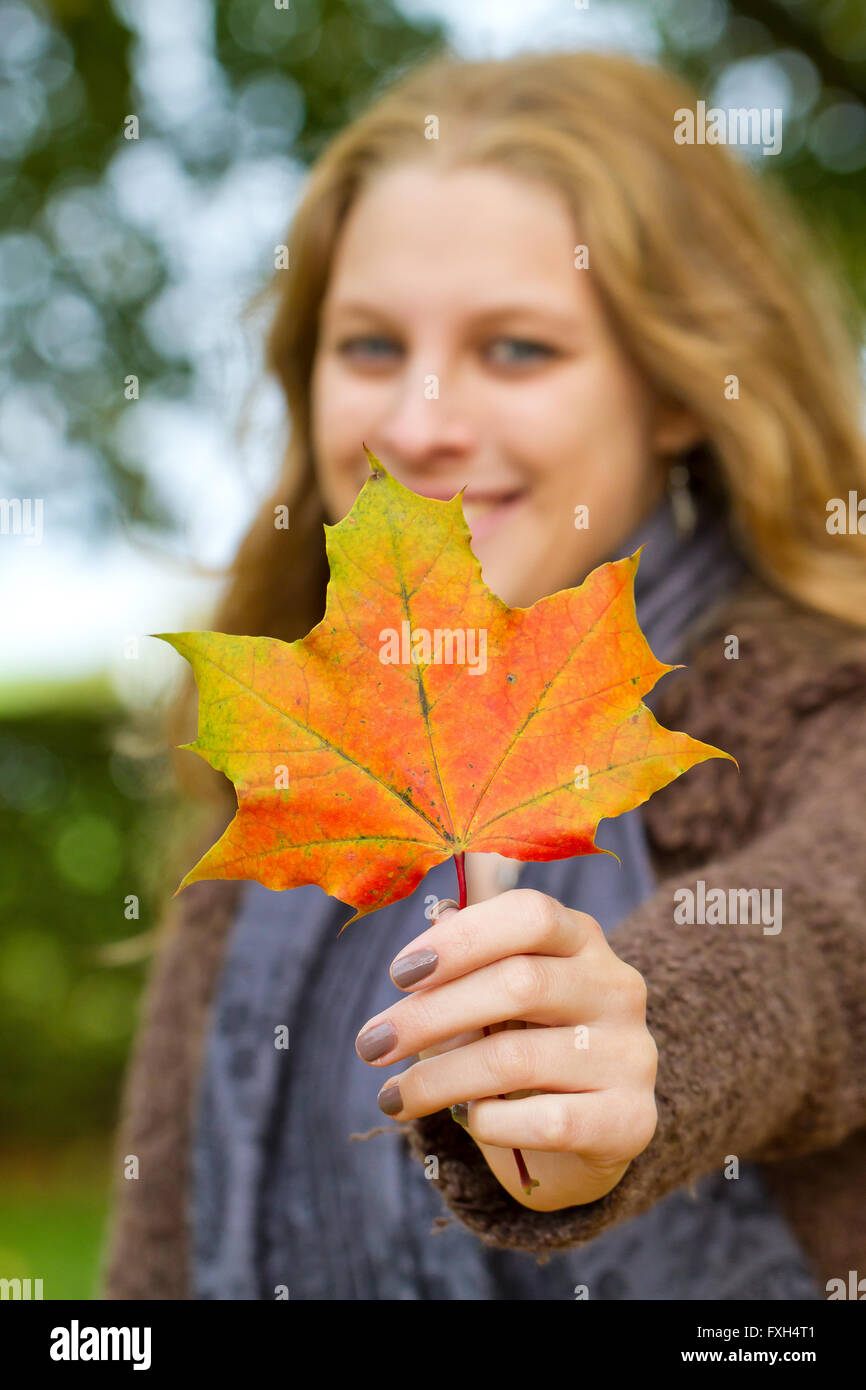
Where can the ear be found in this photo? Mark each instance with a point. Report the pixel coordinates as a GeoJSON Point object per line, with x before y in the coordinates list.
{"type": "Point", "coordinates": [674, 430]}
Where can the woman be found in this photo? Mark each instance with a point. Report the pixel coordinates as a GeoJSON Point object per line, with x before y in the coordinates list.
{"type": "Point", "coordinates": [509, 275]}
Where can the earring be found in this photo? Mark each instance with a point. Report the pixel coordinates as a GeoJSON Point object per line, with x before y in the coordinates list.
{"type": "Point", "coordinates": [681, 500]}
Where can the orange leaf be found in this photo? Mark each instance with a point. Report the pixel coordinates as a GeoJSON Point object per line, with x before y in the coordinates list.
{"type": "Point", "coordinates": [423, 717]}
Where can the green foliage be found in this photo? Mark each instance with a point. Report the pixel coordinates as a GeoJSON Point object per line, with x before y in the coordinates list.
{"type": "Point", "coordinates": [53, 1225]}
{"type": "Point", "coordinates": [81, 831]}
{"type": "Point", "coordinates": [334, 55]}
{"type": "Point", "coordinates": [819, 50]}
{"type": "Point", "coordinates": [79, 276]}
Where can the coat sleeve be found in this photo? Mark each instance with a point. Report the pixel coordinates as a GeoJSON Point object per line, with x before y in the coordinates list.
{"type": "Point", "coordinates": [147, 1250]}
{"type": "Point", "coordinates": [761, 1037]}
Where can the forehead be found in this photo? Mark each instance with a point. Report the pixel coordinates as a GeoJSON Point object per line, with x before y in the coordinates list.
{"type": "Point", "coordinates": [467, 233]}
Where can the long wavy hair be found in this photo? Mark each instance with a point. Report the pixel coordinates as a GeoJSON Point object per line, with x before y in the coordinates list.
{"type": "Point", "coordinates": [705, 273]}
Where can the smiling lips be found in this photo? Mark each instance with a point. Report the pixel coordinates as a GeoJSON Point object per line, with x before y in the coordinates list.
{"type": "Point", "coordinates": [483, 510]}
{"type": "Point", "coordinates": [483, 514]}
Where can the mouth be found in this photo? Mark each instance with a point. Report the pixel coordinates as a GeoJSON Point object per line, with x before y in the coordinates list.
{"type": "Point", "coordinates": [484, 509]}
{"type": "Point", "coordinates": [486, 512]}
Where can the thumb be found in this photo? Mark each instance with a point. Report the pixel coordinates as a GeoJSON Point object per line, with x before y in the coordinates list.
{"type": "Point", "coordinates": [445, 907]}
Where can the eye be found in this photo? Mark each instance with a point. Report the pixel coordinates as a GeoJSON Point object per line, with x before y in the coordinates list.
{"type": "Point", "coordinates": [360, 346]}
{"type": "Point", "coordinates": [528, 350]}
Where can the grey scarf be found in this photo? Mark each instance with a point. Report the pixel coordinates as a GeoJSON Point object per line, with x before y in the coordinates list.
{"type": "Point", "coordinates": [286, 1203]}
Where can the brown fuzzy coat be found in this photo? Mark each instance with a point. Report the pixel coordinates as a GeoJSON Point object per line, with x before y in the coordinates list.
{"type": "Point", "coordinates": [761, 1038]}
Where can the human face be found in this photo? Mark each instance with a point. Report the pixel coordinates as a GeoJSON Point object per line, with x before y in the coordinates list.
{"type": "Point", "coordinates": [468, 277]}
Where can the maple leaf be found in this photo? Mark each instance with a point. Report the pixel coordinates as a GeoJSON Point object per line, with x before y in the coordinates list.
{"type": "Point", "coordinates": [423, 717]}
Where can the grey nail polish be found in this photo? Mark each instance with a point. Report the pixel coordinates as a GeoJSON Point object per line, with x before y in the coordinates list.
{"type": "Point", "coordinates": [376, 1041]}
{"type": "Point", "coordinates": [408, 970]}
{"type": "Point", "coordinates": [460, 1113]}
{"type": "Point", "coordinates": [389, 1100]}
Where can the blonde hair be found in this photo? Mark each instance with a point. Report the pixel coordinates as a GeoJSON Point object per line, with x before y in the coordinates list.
{"type": "Point", "coordinates": [703, 269]}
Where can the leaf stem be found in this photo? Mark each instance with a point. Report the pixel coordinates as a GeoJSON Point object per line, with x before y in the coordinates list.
{"type": "Point", "coordinates": [526, 1182]}
{"type": "Point", "coordinates": [460, 861]}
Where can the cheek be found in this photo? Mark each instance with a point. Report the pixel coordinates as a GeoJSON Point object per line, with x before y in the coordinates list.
{"type": "Point", "coordinates": [338, 420]}
{"type": "Point", "coordinates": [332, 399]}
{"type": "Point", "coordinates": [332, 440]}
{"type": "Point", "coordinates": [600, 421]}
{"type": "Point", "coordinates": [345, 412]}
{"type": "Point", "coordinates": [325, 402]}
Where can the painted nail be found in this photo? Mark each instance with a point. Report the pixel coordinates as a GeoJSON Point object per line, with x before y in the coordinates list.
{"type": "Point", "coordinates": [460, 1111]}
{"type": "Point", "coordinates": [376, 1041]}
{"type": "Point", "coordinates": [389, 1099]}
{"type": "Point", "coordinates": [443, 906]}
{"type": "Point", "coordinates": [408, 970]}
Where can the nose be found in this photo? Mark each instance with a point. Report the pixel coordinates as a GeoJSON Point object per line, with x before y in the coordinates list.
{"type": "Point", "coordinates": [425, 425]}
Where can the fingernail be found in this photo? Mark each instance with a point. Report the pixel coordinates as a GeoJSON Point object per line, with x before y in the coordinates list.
{"type": "Point", "coordinates": [408, 970]}
{"type": "Point", "coordinates": [461, 1113]}
{"type": "Point", "coordinates": [389, 1100]}
{"type": "Point", "coordinates": [376, 1041]}
{"type": "Point", "coordinates": [443, 906]}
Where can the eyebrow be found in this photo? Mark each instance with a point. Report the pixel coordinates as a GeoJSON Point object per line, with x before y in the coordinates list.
{"type": "Point", "coordinates": [496, 311]}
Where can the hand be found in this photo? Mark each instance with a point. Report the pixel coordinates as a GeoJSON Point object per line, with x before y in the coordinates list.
{"type": "Point", "coordinates": [581, 1077]}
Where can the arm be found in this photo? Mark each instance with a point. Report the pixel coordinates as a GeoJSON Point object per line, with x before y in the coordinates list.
{"type": "Point", "coordinates": [761, 1038]}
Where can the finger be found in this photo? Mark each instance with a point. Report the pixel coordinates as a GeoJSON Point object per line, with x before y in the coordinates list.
{"type": "Point", "coordinates": [604, 1127]}
{"type": "Point", "coordinates": [542, 1059]}
{"type": "Point", "coordinates": [442, 907]}
{"type": "Point", "coordinates": [460, 1040]}
{"type": "Point", "coordinates": [522, 921]}
{"type": "Point", "coordinates": [535, 989]}
{"type": "Point", "coordinates": [435, 1049]}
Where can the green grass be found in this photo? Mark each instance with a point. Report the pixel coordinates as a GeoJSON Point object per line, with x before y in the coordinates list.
{"type": "Point", "coordinates": [91, 694]}
{"type": "Point", "coordinates": [52, 1224]}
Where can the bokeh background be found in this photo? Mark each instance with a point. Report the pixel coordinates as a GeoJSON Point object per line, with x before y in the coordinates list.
{"type": "Point", "coordinates": [144, 257]}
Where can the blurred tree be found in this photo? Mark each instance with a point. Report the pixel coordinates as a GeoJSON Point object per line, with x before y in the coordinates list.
{"type": "Point", "coordinates": [77, 274]}
{"type": "Point", "coordinates": [81, 277]}
{"type": "Point", "coordinates": [81, 821]}
{"type": "Point", "coordinates": [812, 55]}
{"type": "Point", "coordinates": [833, 35]}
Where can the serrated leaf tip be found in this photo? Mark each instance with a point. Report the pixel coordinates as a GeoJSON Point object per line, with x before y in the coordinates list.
{"type": "Point", "coordinates": [376, 465]}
